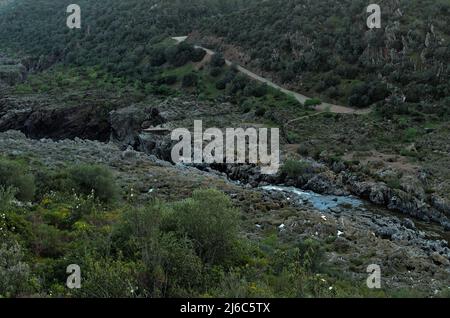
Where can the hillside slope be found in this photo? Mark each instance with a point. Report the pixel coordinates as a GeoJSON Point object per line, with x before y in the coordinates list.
{"type": "Point", "coordinates": [325, 47]}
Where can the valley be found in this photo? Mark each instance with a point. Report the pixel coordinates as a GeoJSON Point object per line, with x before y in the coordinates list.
{"type": "Point", "coordinates": [88, 176]}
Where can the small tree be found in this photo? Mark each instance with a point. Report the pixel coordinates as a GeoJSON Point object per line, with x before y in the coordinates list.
{"type": "Point", "coordinates": [190, 80]}
{"type": "Point", "coordinates": [313, 102]}
{"type": "Point", "coordinates": [217, 60]}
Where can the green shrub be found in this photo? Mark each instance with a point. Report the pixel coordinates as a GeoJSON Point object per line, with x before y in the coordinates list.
{"type": "Point", "coordinates": [6, 197]}
{"type": "Point", "coordinates": [293, 137]}
{"type": "Point", "coordinates": [210, 221]}
{"type": "Point", "coordinates": [295, 168]}
{"type": "Point", "coordinates": [14, 273]}
{"type": "Point", "coordinates": [190, 80]}
{"type": "Point", "coordinates": [410, 134]}
{"type": "Point", "coordinates": [393, 182]}
{"type": "Point", "coordinates": [13, 174]}
{"type": "Point", "coordinates": [48, 241]}
{"type": "Point", "coordinates": [311, 254]}
{"type": "Point", "coordinates": [217, 60]}
{"type": "Point", "coordinates": [215, 71]}
{"type": "Point", "coordinates": [52, 181]}
{"type": "Point", "coordinates": [88, 179]}
{"type": "Point", "coordinates": [171, 264]}
{"type": "Point", "coordinates": [260, 111]}
{"type": "Point", "coordinates": [304, 150]}
{"type": "Point", "coordinates": [108, 278]}
{"type": "Point", "coordinates": [174, 266]}
{"type": "Point", "coordinates": [167, 80]}
{"type": "Point", "coordinates": [256, 90]}
{"type": "Point", "coordinates": [313, 102]}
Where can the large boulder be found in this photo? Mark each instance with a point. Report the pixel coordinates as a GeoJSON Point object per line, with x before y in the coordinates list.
{"type": "Point", "coordinates": [376, 192]}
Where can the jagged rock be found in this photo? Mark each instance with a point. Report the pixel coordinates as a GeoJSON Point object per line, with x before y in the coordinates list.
{"type": "Point", "coordinates": [324, 183]}
{"type": "Point", "coordinates": [386, 232]}
{"type": "Point", "coordinates": [126, 124]}
{"type": "Point", "coordinates": [440, 204]}
{"type": "Point", "coordinates": [409, 224]}
{"type": "Point", "coordinates": [152, 144]}
{"type": "Point", "coordinates": [406, 203]}
{"type": "Point", "coordinates": [377, 193]}
{"type": "Point", "coordinates": [439, 259]}
{"type": "Point", "coordinates": [411, 185]}
{"type": "Point", "coordinates": [446, 225]}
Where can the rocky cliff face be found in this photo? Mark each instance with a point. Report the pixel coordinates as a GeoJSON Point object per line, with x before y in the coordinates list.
{"type": "Point", "coordinates": [41, 120]}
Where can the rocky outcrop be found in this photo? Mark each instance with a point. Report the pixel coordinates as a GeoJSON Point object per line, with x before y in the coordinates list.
{"type": "Point", "coordinates": [376, 193]}
{"type": "Point", "coordinates": [156, 145]}
{"type": "Point", "coordinates": [407, 204]}
{"type": "Point", "coordinates": [127, 124]}
{"type": "Point", "coordinates": [441, 204]}
{"type": "Point", "coordinates": [40, 121]}
{"type": "Point", "coordinates": [325, 183]}
{"type": "Point", "coordinates": [396, 199]}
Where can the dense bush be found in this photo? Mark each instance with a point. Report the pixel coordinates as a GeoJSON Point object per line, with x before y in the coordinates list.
{"type": "Point", "coordinates": [183, 53]}
{"type": "Point", "coordinates": [366, 94]}
{"type": "Point", "coordinates": [109, 278]}
{"type": "Point", "coordinates": [210, 221]}
{"type": "Point", "coordinates": [217, 60]}
{"type": "Point", "coordinates": [313, 102]}
{"type": "Point", "coordinates": [6, 197]}
{"type": "Point", "coordinates": [13, 174]}
{"type": "Point", "coordinates": [94, 179]}
{"type": "Point", "coordinates": [295, 168]}
{"type": "Point", "coordinates": [167, 80]}
{"type": "Point", "coordinates": [190, 80]}
{"type": "Point", "coordinates": [14, 273]}
{"type": "Point", "coordinates": [215, 72]}
{"type": "Point", "coordinates": [255, 89]}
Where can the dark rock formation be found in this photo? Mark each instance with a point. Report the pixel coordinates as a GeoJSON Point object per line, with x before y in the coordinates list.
{"type": "Point", "coordinates": [127, 124]}
{"type": "Point", "coordinates": [68, 122]}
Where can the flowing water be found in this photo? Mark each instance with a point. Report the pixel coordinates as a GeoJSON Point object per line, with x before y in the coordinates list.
{"type": "Point", "coordinates": [320, 202]}
{"type": "Point", "coordinates": [330, 203]}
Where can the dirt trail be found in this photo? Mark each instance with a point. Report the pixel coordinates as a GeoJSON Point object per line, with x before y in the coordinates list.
{"type": "Point", "coordinates": [301, 98]}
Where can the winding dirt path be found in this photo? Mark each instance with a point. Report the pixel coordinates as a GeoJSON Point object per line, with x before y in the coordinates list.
{"type": "Point", "coordinates": [324, 107]}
